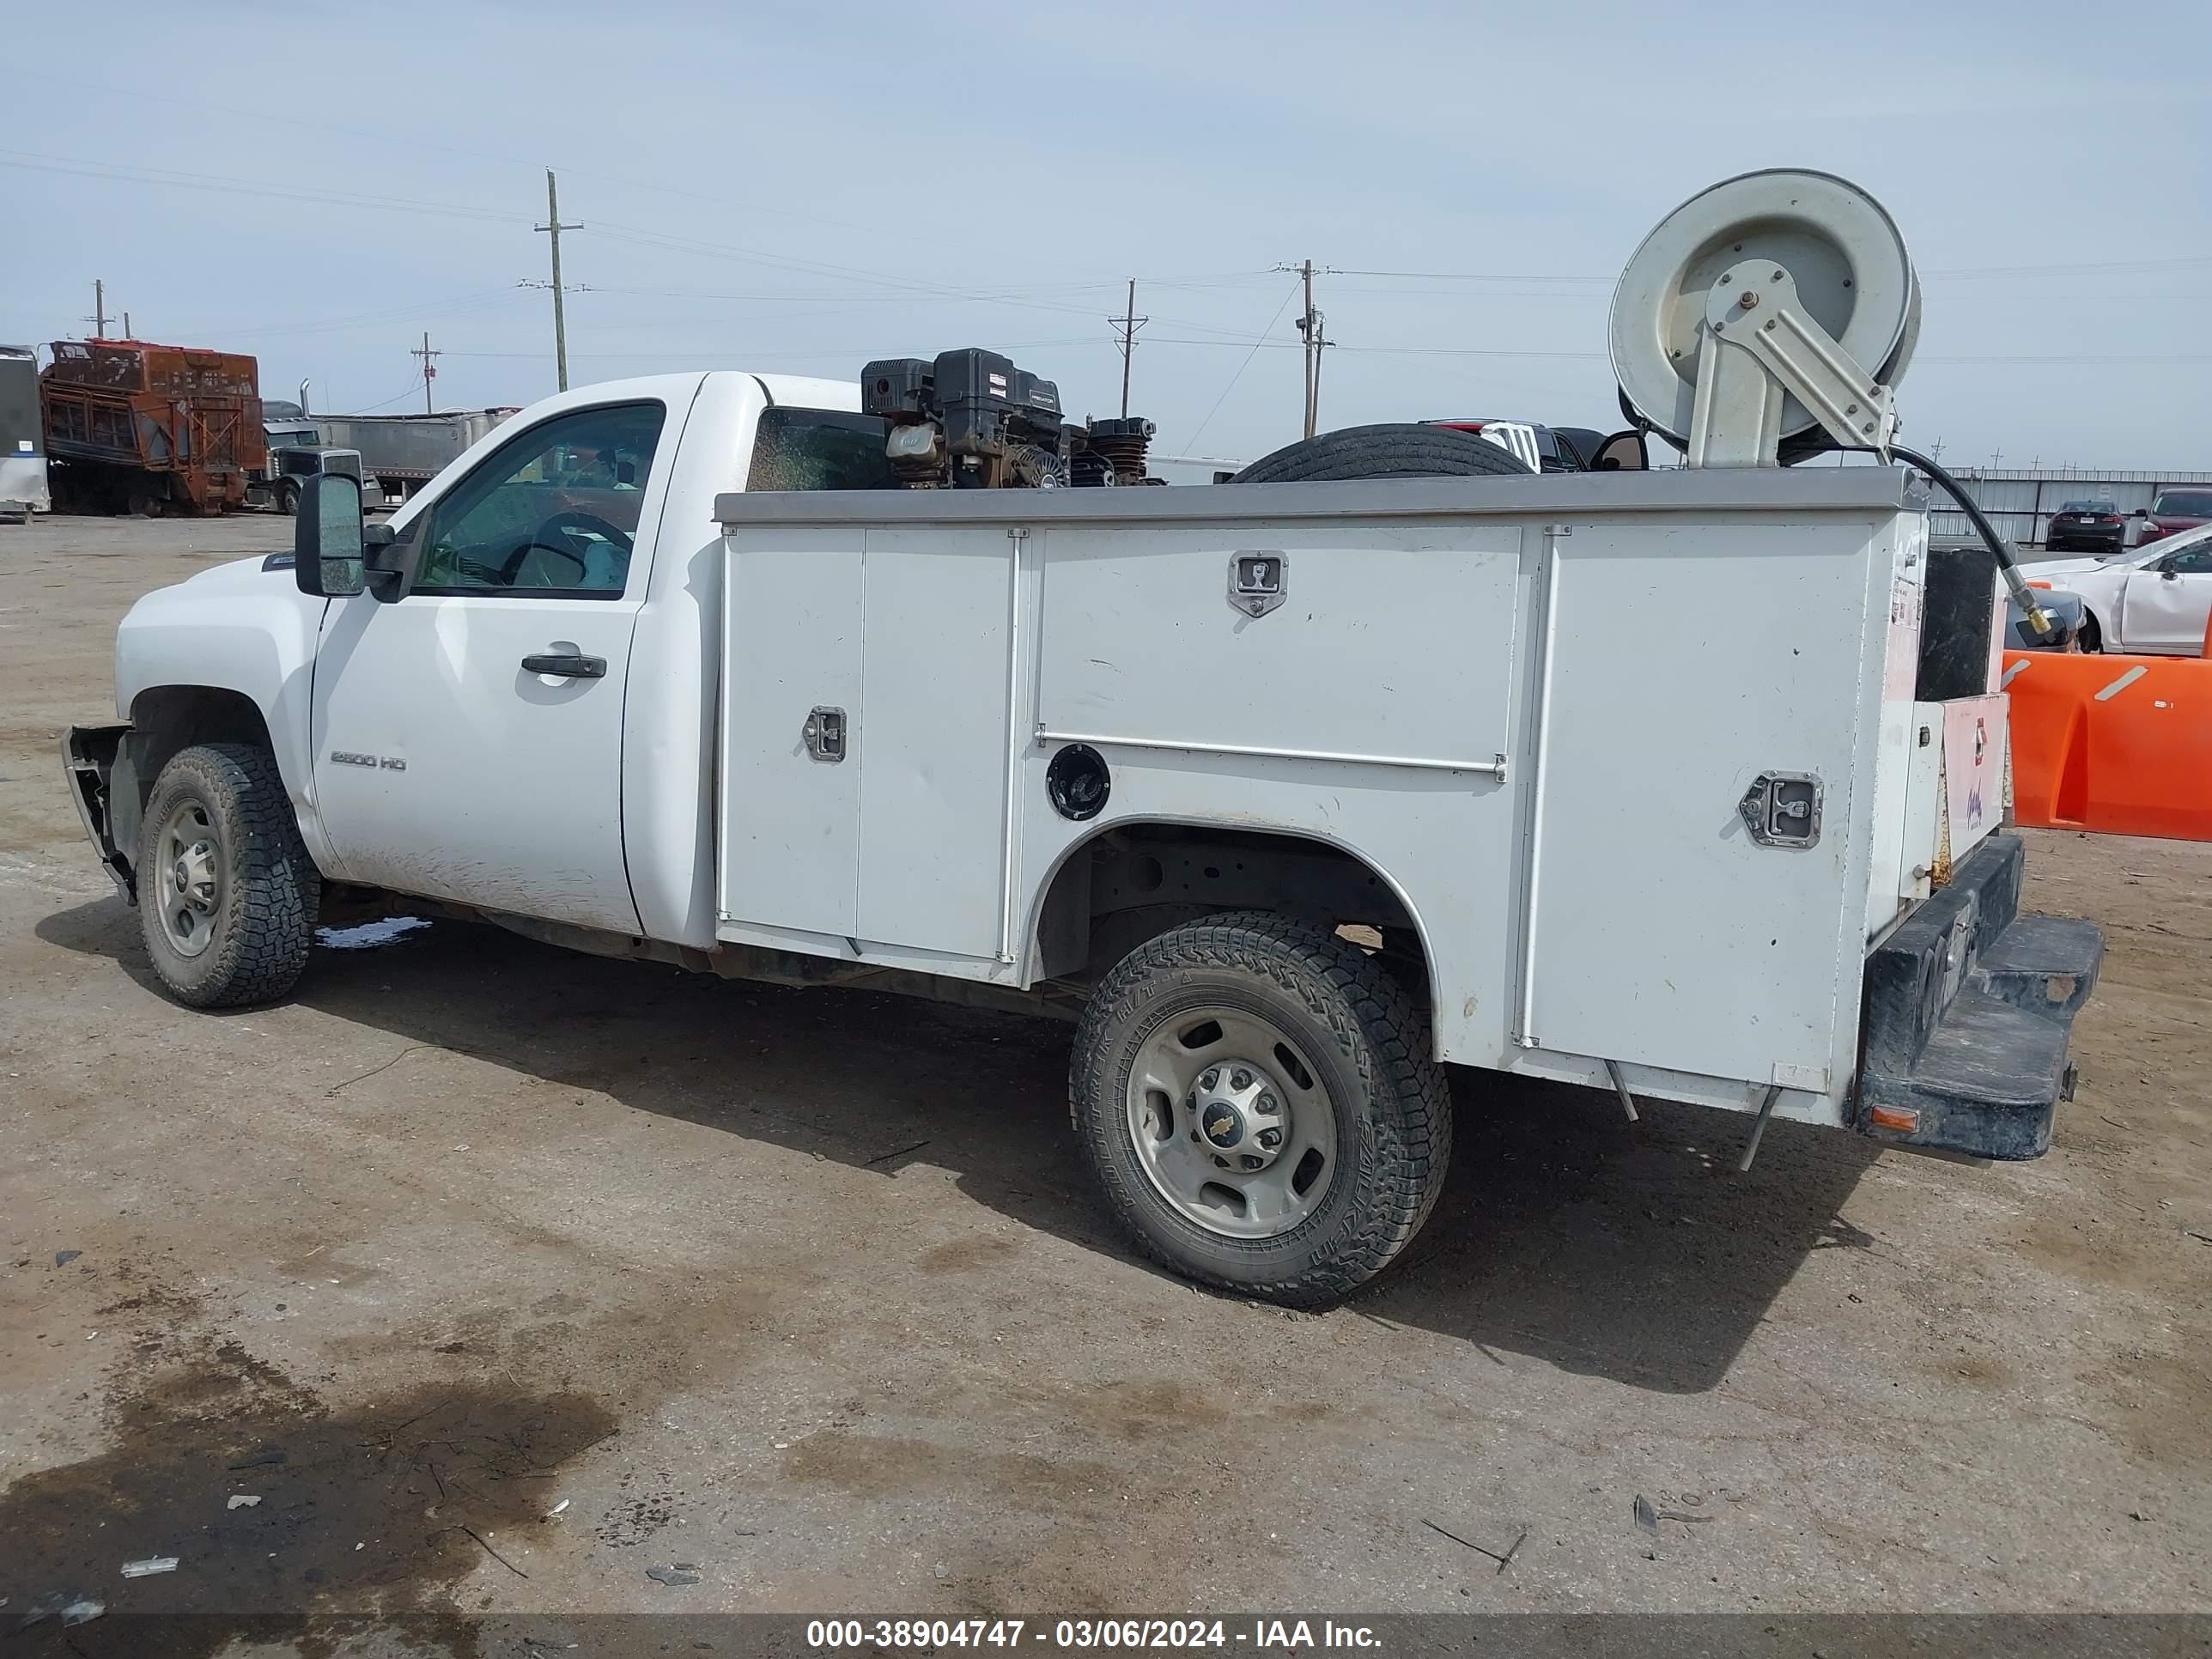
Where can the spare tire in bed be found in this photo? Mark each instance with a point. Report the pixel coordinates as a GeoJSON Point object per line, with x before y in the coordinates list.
{"type": "Point", "coordinates": [1395, 450]}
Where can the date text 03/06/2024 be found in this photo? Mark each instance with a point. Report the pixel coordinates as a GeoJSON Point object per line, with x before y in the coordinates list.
{"type": "Point", "coordinates": [1141, 1635]}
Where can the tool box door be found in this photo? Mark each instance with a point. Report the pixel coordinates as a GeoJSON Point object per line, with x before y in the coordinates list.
{"type": "Point", "coordinates": [1686, 664]}
{"type": "Point", "coordinates": [790, 813]}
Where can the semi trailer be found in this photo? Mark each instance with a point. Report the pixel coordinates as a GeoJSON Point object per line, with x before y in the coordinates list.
{"type": "Point", "coordinates": [400, 454]}
{"type": "Point", "coordinates": [133, 426]}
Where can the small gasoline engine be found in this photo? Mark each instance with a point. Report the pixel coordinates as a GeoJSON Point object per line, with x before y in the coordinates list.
{"type": "Point", "coordinates": [970, 420]}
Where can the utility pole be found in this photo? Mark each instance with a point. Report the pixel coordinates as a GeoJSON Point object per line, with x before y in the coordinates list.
{"type": "Point", "coordinates": [1312, 354]}
{"type": "Point", "coordinates": [429, 369]}
{"type": "Point", "coordinates": [553, 227]}
{"type": "Point", "coordinates": [127, 333]}
{"type": "Point", "coordinates": [1310, 328]}
{"type": "Point", "coordinates": [99, 317]}
{"type": "Point", "coordinates": [1125, 327]}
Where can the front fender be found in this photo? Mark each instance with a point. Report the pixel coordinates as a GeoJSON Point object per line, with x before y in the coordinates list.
{"type": "Point", "coordinates": [244, 627]}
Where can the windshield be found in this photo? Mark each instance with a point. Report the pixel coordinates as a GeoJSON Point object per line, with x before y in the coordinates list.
{"type": "Point", "coordinates": [820, 449]}
{"type": "Point", "coordinates": [2167, 544]}
{"type": "Point", "coordinates": [2183, 504]}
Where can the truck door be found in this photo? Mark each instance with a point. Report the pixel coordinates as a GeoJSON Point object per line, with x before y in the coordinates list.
{"type": "Point", "coordinates": [468, 738]}
{"type": "Point", "coordinates": [2167, 602]}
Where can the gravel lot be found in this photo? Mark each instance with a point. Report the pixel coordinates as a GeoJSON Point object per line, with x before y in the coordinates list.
{"type": "Point", "coordinates": [804, 1289]}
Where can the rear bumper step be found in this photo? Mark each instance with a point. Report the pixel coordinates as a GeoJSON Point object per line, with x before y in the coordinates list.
{"type": "Point", "coordinates": [1969, 1009]}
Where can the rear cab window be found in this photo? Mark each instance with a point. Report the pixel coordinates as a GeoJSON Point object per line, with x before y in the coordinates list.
{"type": "Point", "coordinates": [820, 449]}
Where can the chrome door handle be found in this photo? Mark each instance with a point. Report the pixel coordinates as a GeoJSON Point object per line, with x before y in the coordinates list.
{"type": "Point", "coordinates": [573, 668]}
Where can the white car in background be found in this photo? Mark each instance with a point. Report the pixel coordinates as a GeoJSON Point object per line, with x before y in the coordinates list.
{"type": "Point", "coordinates": [2152, 600]}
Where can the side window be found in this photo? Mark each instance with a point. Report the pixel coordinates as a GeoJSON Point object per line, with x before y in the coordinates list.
{"type": "Point", "coordinates": [554, 511]}
{"type": "Point", "coordinates": [2192, 561]}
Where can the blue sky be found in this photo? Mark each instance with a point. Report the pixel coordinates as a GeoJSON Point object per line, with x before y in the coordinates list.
{"type": "Point", "coordinates": [802, 188]}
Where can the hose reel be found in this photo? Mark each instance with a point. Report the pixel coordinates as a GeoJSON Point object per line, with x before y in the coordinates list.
{"type": "Point", "coordinates": [1767, 319]}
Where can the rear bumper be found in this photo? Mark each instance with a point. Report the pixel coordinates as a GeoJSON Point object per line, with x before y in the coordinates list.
{"type": "Point", "coordinates": [89, 758]}
{"type": "Point", "coordinates": [1970, 1007]}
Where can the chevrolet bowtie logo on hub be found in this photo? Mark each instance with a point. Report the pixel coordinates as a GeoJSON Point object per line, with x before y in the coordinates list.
{"type": "Point", "coordinates": [1224, 1125]}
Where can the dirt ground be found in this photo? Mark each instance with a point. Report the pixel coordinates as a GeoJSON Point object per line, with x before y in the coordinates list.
{"type": "Point", "coordinates": [500, 1275]}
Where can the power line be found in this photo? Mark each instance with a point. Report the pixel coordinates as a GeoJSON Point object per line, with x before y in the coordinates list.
{"type": "Point", "coordinates": [1289, 295]}
{"type": "Point", "coordinates": [169, 179]}
{"type": "Point", "coordinates": [1481, 277]}
{"type": "Point", "coordinates": [2185, 262]}
{"type": "Point", "coordinates": [699, 357]}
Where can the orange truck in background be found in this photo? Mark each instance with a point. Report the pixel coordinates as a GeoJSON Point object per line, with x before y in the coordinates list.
{"type": "Point", "coordinates": [135, 427]}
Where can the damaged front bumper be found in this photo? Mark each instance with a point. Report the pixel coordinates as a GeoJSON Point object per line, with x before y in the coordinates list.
{"type": "Point", "coordinates": [1969, 1009]}
{"type": "Point", "coordinates": [89, 756]}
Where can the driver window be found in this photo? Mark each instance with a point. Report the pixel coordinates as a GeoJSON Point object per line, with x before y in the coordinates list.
{"type": "Point", "coordinates": [2191, 560]}
{"type": "Point", "coordinates": [553, 512]}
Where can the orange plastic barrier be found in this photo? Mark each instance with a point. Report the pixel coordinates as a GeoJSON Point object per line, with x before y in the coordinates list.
{"type": "Point", "coordinates": [2121, 745]}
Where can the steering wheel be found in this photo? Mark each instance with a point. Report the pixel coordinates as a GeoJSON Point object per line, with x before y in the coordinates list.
{"type": "Point", "coordinates": [564, 525]}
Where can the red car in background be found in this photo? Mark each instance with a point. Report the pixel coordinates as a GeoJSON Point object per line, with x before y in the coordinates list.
{"type": "Point", "coordinates": [2176, 510]}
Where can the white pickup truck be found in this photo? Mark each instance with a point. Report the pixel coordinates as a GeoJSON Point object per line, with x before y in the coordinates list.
{"type": "Point", "coordinates": [1291, 793]}
{"type": "Point", "coordinates": [661, 670]}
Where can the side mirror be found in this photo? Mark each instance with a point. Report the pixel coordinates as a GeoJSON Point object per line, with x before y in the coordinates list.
{"type": "Point", "coordinates": [1624, 452]}
{"type": "Point", "coordinates": [330, 557]}
{"type": "Point", "coordinates": [625, 472]}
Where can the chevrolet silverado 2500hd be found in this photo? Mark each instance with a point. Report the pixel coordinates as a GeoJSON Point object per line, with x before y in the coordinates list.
{"type": "Point", "coordinates": [661, 670]}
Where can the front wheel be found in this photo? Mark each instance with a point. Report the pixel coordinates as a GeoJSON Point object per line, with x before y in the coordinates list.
{"type": "Point", "coordinates": [226, 890]}
{"type": "Point", "coordinates": [287, 500]}
{"type": "Point", "coordinates": [1258, 1101]}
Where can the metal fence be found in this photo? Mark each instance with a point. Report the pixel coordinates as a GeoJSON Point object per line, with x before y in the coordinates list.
{"type": "Point", "coordinates": [2019, 502]}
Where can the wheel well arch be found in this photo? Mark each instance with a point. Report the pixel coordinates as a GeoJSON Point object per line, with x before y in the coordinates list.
{"type": "Point", "coordinates": [166, 719]}
{"type": "Point", "coordinates": [1126, 881]}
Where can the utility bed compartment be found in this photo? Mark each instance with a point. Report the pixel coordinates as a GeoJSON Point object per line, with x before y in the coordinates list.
{"type": "Point", "coordinates": [1638, 751]}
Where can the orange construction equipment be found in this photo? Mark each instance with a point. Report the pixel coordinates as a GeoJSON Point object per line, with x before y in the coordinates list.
{"type": "Point", "coordinates": [2121, 745]}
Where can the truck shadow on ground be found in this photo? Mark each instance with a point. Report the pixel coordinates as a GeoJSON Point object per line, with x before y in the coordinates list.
{"type": "Point", "coordinates": [1630, 1252]}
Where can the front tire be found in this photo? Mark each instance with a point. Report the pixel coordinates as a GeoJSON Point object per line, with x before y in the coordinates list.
{"type": "Point", "coordinates": [1259, 1104]}
{"type": "Point", "coordinates": [226, 890]}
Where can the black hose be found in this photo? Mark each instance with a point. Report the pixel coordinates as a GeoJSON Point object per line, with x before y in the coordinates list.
{"type": "Point", "coordinates": [2015, 584]}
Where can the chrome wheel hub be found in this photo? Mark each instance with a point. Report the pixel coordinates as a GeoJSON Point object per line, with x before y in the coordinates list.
{"type": "Point", "coordinates": [192, 898]}
{"type": "Point", "coordinates": [1237, 1108]}
{"type": "Point", "coordinates": [1230, 1123]}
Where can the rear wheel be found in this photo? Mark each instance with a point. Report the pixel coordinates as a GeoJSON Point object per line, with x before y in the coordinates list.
{"type": "Point", "coordinates": [226, 890]}
{"type": "Point", "coordinates": [1257, 1099]}
{"type": "Point", "coordinates": [2088, 638]}
{"type": "Point", "coordinates": [1394, 450]}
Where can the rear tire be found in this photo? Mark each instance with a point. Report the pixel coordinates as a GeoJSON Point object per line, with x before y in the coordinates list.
{"type": "Point", "coordinates": [226, 890]}
{"type": "Point", "coordinates": [1204, 1042]}
{"type": "Point", "coordinates": [1394, 450]}
{"type": "Point", "coordinates": [2088, 638]}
